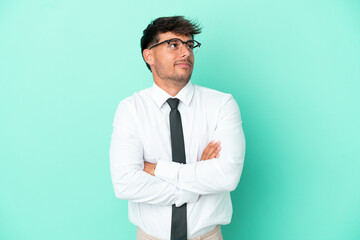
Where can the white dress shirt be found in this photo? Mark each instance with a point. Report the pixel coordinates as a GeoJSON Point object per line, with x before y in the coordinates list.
{"type": "Point", "coordinates": [142, 133]}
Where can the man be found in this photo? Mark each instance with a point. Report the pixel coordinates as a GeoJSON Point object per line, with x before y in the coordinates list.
{"type": "Point", "coordinates": [165, 152]}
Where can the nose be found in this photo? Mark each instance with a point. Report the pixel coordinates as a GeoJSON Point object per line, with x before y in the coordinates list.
{"type": "Point", "coordinates": [185, 51]}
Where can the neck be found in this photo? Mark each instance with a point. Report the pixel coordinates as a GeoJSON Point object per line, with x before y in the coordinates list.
{"type": "Point", "coordinates": [171, 87]}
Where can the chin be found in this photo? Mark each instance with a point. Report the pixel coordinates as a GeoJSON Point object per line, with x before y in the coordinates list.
{"type": "Point", "coordinates": [181, 80]}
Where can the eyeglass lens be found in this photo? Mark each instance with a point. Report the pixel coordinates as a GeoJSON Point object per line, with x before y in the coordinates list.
{"type": "Point", "coordinates": [176, 44]}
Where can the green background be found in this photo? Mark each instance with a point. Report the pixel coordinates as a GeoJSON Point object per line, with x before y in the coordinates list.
{"type": "Point", "coordinates": [292, 66]}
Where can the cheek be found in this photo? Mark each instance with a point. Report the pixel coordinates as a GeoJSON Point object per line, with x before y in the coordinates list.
{"type": "Point", "coordinates": [192, 59]}
{"type": "Point", "coordinates": [166, 61]}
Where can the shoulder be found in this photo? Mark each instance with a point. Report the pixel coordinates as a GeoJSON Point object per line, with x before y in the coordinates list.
{"type": "Point", "coordinates": [212, 96]}
{"type": "Point", "coordinates": [131, 105]}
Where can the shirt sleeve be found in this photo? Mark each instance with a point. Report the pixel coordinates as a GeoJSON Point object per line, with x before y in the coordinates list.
{"type": "Point", "coordinates": [129, 180]}
{"type": "Point", "coordinates": [218, 174]}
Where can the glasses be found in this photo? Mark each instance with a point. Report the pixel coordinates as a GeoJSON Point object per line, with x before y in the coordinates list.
{"type": "Point", "coordinates": [175, 44]}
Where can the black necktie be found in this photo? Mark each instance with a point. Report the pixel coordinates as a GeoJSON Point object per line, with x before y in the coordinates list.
{"type": "Point", "coordinates": [178, 218]}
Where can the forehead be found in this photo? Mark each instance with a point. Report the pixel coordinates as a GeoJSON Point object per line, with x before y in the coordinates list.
{"type": "Point", "coordinates": [169, 35]}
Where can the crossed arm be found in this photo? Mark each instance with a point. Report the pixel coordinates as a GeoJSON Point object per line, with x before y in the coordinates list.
{"type": "Point", "coordinates": [220, 174]}
{"type": "Point", "coordinates": [167, 183]}
{"type": "Point", "coordinates": [211, 151]}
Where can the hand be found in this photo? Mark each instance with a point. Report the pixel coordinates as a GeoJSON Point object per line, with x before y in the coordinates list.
{"type": "Point", "coordinates": [211, 151]}
{"type": "Point", "coordinates": [149, 168]}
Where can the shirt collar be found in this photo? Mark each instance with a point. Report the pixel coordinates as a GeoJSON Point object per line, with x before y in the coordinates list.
{"type": "Point", "coordinates": [160, 96]}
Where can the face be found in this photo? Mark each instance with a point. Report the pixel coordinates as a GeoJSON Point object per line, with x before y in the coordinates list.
{"type": "Point", "coordinates": [167, 65]}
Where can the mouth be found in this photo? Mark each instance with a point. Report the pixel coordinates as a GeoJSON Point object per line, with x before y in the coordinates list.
{"type": "Point", "coordinates": [183, 64]}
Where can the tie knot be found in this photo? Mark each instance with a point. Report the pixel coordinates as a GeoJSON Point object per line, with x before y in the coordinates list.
{"type": "Point", "coordinates": [173, 102]}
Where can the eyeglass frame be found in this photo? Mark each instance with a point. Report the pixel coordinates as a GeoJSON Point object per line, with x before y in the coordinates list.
{"type": "Point", "coordinates": [168, 42]}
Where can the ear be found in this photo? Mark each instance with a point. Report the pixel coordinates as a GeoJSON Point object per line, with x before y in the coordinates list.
{"type": "Point", "coordinates": [148, 57]}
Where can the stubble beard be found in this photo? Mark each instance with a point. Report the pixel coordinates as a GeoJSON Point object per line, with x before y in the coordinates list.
{"type": "Point", "coordinates": [176, 79]}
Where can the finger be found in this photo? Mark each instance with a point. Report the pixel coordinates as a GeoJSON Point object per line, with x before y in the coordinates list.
{"type": "Point", "coordinates": [207, 151]}
{"type": "Point", "coordinates": [214, 147]}
{"type": "Point", "coordinates": [215, 152]}
{"type": "Point", "coordinates": [212, 151]}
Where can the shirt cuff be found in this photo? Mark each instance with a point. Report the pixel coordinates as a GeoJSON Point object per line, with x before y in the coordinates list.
{"type": "Point", "coordinates": [167, 171]}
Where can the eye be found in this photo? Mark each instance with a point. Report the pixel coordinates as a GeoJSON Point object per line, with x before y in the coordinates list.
{"type": "Point", "coordinates": [174, 45]}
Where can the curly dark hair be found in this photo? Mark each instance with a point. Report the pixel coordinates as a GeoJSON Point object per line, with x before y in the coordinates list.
{"type": "Point", "coordinates": [175, 24]}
